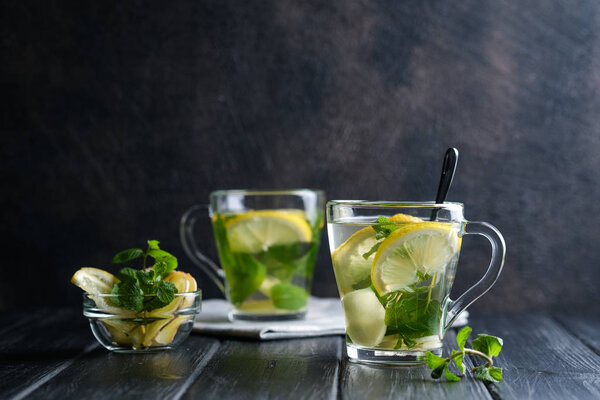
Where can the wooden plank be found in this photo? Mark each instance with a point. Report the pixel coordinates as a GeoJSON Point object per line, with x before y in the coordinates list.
{"type": "Point", "coordinates": [105, 375]}
{"type": "Point", "coordinates": [584, 327]}
{"type": "Point", "coordinates": [540, 358]}
{"type": "Point", "coordinates": [294, 369]}
{"type": "Point", "coordinates": [36, 346]}
{"type": "Point", "coordinates": [358, 381]}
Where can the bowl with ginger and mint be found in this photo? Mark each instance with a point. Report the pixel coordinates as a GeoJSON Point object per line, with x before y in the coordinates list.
{"type": "Point", "coordinates": [140, 310]}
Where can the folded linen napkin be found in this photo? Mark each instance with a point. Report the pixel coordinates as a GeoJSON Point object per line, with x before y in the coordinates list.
{"type": "Point", "coordinates": [324, 317]}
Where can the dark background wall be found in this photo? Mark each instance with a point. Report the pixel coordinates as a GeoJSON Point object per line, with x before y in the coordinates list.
{"type": "Point", "coordinates": [117, 116]}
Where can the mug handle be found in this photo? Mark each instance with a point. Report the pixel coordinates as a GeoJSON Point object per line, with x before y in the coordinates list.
{"type": "Point", "coordinates": [455, 307]}
{"type": "Point", "coordinates": [186, 234]}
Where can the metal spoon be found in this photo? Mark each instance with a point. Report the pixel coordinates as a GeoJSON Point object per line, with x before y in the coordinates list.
{"type": "Point", "coordinates": [448, 169]}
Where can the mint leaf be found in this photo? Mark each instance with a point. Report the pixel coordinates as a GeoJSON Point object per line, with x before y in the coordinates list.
{"type": "Point", "coordinates": [165, 294]}
{"type": "Point", "coordinates": [163, 267]}
{"type": "Point", "coordinates": [383, 227]}
{"type": "Point", "coordinates": [127, 255]}
{"type": "Point", "coordinates": [165, 291]}
{"type": "Point", "coordinates": [244, 276]}
{"type": "Point", "coordinates": [437, 373]}
{"type": "Point", "coordinates": [288, 297]}
{"type": "Point", "coordinates": [372, 250]}
{"type": "Point", "coordinates": [411, 315]}
{"type": "Point", "coordinates": [462, 336]}
{"type": "Point", "coordinates": [130, 295]}
{"type": "Point", "coordinates": [459, 360]}
{"type": "Point", "coordinates": [158, 254]}
{"type": "Point", "coordinates": [287, 253]}
{"type": "Point", "coordinates": [449, 375]}
{"type": "Point", "coordinates": [146, 281]}
{"type": "Point", "coordinates": [362, 284]}
{"type": "Point", "coordinates": [434, 361]}
{"type": "Point", "coordinates": [285, 260]}
{"type": "Point", "coordinates": [126, 274]}
{"type": "Point", "coordinates": [487, 344]}
{"type": "Point", "coordinates": [488, 374]}
{"type": "Point", "coordinates": [164, 262]}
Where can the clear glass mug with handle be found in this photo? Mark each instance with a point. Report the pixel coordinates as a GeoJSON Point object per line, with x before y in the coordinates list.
{"type": "Point", "coordinates": [267, 243]}
{"type": "Point", "coordinates": [394, 264]}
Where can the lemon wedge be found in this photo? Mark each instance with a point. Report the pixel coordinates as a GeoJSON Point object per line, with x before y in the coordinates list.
{"type": "Point", "coordinates": [94, 280]}
{"type": "Point", "coordinates": [163, 331]}
{"type": "Point", "coordinates": [255, 231]}
{"type": "Point", "coordinates": [426, 247]}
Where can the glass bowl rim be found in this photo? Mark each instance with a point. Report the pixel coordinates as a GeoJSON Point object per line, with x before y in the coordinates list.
{"type": "Point", "coordinates": [109, 295]}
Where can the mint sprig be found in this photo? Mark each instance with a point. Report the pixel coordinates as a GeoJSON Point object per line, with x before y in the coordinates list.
{"type": "Point", "coordinates": [145, 289]}
{"type": "Point", "coordinates": [484, 346]}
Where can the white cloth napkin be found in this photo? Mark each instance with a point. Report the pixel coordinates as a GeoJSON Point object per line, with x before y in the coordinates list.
{"type": "Point", "coordinates": [324, 317]}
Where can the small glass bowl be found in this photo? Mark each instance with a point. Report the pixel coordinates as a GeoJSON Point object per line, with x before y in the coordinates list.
{"type": "Point", "coordinates": [125, 331]}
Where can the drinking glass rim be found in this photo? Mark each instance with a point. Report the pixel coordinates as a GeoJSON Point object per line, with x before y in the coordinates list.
{"type": "Point", "coordinates": [271, 192]}
{"type": "Point", "coordinates": [398, 204]}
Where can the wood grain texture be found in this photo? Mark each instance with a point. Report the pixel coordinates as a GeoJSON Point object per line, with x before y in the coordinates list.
{"type": "Point", "coordinates": [584, 327]}
{"type": "Point", "coordinates": [105, 375]}
{"type": "Point", "coordinates": [118, 116]}
{"type": "Point", "coordinates": [38, 345]}
{"type": "Point", "coordinates": [540, 358]}
{"type": "Point", "coordinates": [49, 355]}
{"type": "Point", "coordinates": [299, 369]}
{"type": "Point", "coordinates": [359, 381]}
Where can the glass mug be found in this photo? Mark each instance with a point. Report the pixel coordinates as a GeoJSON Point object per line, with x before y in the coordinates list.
{"type": "Point", "coordinates": [267, 243]}
{"type": "Point", "coordinates": [394, 264]}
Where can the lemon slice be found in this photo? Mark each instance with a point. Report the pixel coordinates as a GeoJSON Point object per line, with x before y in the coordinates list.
{"type": "Point", "coordinates": [365, 317]}
{"type": "Point", "coordinates": [184, 283]}
{"type": "Point", "coordinates": [94, 280]}
{"type": "Point", "coordinates": [349, 265]}
{"type": "Point", "coordinates": [163, 331]}
{"type": "Point", "coordinates": [255, 231]}
{"type": "Point", "coordinates": [426, 247]}
{"type": "Point", "coordinates": [404, 218]}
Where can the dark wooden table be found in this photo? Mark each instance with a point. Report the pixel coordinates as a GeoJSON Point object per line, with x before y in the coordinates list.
{"type": "Point", "coordinates": [51, 354]}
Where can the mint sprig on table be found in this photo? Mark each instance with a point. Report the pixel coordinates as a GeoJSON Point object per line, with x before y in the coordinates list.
{"type": "Point", "coordinates": [136, 285]}
{"type": "Point", "coordinates": [484, 346]}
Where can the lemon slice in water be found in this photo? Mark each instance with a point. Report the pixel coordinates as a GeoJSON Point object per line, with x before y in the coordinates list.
{"type": "Point", "coordinates": [255, 231]}
{"type": "Point", "coordinates": [426, 247]}
{"type": "Point", "coordinates": [352, 270]}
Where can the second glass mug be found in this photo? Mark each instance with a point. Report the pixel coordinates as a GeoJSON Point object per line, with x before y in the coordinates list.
{"type": "Point", "coordinates": [394, 264]}
{"type": "Point", "coordinates": [267, 243]}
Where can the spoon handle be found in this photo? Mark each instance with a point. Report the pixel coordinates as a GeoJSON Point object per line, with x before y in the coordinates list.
{"type": "Point", "coordinates": [448, 169]}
